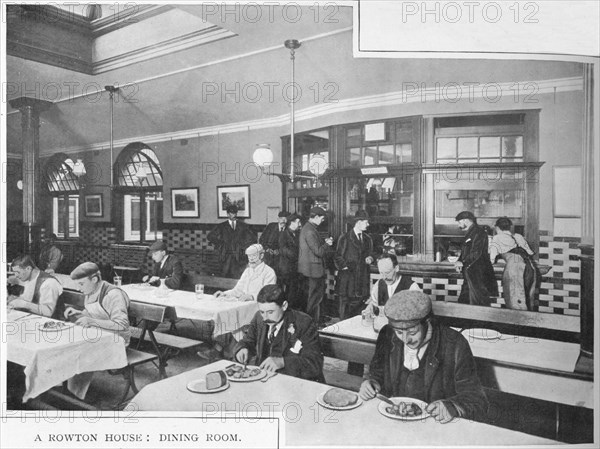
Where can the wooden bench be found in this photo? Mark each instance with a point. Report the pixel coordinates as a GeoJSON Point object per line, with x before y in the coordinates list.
{"type": "Point", "coordinates": [165, 345]}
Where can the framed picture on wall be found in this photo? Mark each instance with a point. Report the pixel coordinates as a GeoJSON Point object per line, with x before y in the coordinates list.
{"type": "Point", "coordinates": [233, 196]}
{"type": "Point", "coordinates": [184, 202]}
{"type": "Point", "coordinates": [93, 205]}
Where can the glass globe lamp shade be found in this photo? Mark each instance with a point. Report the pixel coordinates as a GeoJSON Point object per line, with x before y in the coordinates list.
{"type": "Point", "coordinates": [263, 156]}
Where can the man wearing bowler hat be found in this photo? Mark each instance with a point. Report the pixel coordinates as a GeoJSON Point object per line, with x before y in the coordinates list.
{"type": "Point", "coordinates": [230, 239]}
{"type": "Point", "coordinates": [269, 239]}
{"type": "Point", "coordinates": [353, 256]}
{"type": "Point", "coordinates": [313, 250]}
{"type": "Point", "coordinates": [479, 280]}
{"type": "Point", "coordinates": [166, 266]}
{"type": "Point", "coordinates": [418, 358]}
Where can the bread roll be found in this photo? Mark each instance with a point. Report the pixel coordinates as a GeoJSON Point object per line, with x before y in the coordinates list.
{"type": "Point", "coordinates": [215, 380]}
{"type": "Point", "coordinates": [340, 398]}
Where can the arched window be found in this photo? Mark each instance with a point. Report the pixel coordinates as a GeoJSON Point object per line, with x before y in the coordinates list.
{"type": "Point", "coordinates": [138, 178]}
{"type": "Point", "coordinates": [63, 185]}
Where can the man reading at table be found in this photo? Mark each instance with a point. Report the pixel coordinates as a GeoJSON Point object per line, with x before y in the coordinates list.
{"type": "Point", "coordinates": [281, 339]}
{"type": "Point", "coordinates": [166, 266]}
{"type": "Point", "coordinates": [419, 358]}
{"type": "Point", "coordinates": [40, 290]}
{"type": "Point", "coordinates": [105, 307]}
{"type": "Point", "coordinates": [255, 276]}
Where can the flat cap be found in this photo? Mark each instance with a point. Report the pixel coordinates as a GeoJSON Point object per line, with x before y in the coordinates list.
{"type": "Point", "coordinates": [407, 308]}
{"type": "Point", "coordinates": [84, 270]}
{"type": "Point", "coordinates": [465, 214]}
{"type": "Point", "coordinates": [256, 248]}
{"type": "Point", "coordinates": [159, 245]}
{"type": "Point", "coordinates": [283, 213]}
{"type": "Point", "coordinates": [318, 211]}
{"type": "Point", "coordinates": [361, 215]}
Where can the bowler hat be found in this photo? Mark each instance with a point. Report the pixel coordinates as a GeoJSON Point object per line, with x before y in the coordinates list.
{"type": "Point", "coordinates": [361, 215]}
{"type": "Point", "coordinates": [283, 213]}
{"type": "Point", "coordinates": [407, 308]}
{"type": "Point", "coordinates": [159, 245]}
{"type": "Point", "coordinates": [318, 211]}
{"type": "Point", "coordinates": [465, 214]}
{"type": "Point", "coordinates": [232, 209]}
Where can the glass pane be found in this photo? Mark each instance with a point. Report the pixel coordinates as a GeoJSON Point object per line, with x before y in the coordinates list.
{"type": "Point", "coordinates": [404, 152]}
{"type": "Point", "coordinates": [386, 155]}
{"type": "Point", "coordinates": [370, 156]}
{"type": "Point", "coordinates": [354, 155]}
{"type": "Point", "coordinates": [512, 146]}
{"type": "Point", "coordinates": [489, 146]}
{"type": "Point", "coordinates": [483, 203]}
{"type": "Point", "coordinates": [72, 216]}
{"type": "Point", "coordinates": [446, 148]}
{"type": "Point", "coordinates": [61, 216]}
{"type": "Point", "coordinates": [467, 147]}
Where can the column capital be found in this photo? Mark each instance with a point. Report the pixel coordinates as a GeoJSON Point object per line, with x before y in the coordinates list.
{"type": "Point", "coordinates": [25, 102]}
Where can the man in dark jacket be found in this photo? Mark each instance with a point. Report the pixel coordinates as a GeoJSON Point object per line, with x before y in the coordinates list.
{"type": "Point", "coordinates": [353, 257]}
{"type": "Point", "coordinates": [280, 339]}
{"type": "Point", "coordinates": [313, 250]}
{"type": "Point", "coordinates": [418, 358]}
{"type": "Point", "coordinates": [474, 262]}
{"type": "Point", "coordinates": [269, 239]}
{"type": "Point", "coordinates": [166, 266]}
{"type": "Point", "coordinates": [230, 239]}
{"type": "Point", "coordinates": [288, 276]}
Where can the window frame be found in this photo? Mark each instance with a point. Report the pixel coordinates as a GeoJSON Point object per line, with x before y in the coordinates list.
{"type": "Point", "coordinates": [62, 183]}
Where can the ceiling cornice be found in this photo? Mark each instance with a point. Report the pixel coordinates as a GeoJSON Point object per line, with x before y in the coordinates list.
{"type": "Point", "coordinates": [130, 14]}
{"type": "Point", "coordinates": [402, 97]}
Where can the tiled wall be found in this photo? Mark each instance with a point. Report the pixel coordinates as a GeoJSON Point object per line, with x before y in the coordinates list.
{"type": "Point", "coordinates": [559, 290]}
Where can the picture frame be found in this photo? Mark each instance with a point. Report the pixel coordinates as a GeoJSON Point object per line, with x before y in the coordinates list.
{"type": "Point", "coordinates": [238, 195]}
{"type": "Point", "coordinates": [184, 202]}
{"type": "Point", "coordinates": [93, 205]}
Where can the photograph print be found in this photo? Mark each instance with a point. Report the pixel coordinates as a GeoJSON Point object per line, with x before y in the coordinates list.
{"type": "Point", "coordinates": [184, 202]}
{"type": "Point", "coordinates": [233, 196]}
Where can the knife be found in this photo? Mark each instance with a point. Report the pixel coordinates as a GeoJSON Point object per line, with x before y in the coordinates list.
{"type": "Point", "coordinates": [385, 399]}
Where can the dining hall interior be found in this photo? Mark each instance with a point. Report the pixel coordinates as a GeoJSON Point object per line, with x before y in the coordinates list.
{"type": "Point", "coordinates": [130, 125]}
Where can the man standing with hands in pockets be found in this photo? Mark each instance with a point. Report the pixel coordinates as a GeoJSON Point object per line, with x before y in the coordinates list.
{"type": "Point", "coordinates": [419, 358]}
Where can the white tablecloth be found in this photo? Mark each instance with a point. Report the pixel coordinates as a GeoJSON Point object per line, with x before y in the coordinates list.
{"type": "Point", "coordinates": [228, 316]}
{"type": "Point", "coordinates": [50, 358]}
{"type": "Point", "coordinates": [532, 352]}
{"type": "Point", "coordinates": [309, 424]}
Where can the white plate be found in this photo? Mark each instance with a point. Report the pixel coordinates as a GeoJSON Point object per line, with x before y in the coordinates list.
{"type": "Point", "coordinates": [482, 334]}
{"type": "Point", "coordinates": [383, 405]}
{"type": "Point", "coordinates": [199, 386]}
{"type": "Point", "coordinates": [262, 374]}
{"type": "Point", "coordinates": [322, 403]}
{"type": "Point", "coordinates": [142, 286]}
{"type": "Point", "coordinates": [65, 327]}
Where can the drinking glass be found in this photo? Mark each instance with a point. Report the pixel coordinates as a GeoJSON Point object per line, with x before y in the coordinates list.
{"type": "Point", "coordinates": [199, 291]}
{"type": "Point", "coordinates": [117, 281]}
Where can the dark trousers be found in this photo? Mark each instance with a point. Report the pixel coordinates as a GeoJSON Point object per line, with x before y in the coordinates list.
{"type": "Point", "coordinates": [295, 295]}
{"type": "Point", "coordinates": [316, 290]}
{"type": "Point", "coordinates": [350, 306]}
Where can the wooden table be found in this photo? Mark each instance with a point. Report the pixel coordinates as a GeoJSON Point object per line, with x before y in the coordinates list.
{"type": "Point", "coordinates": [531, 367]}
{"type": "Point", "coordinates": [50, 358]}
{"type": "Point", "coordinates": [309, 424]}
{"type": "Point", "coordinates": [228, 316]}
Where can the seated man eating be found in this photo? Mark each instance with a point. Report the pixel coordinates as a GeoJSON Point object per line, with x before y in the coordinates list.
{"type": "Point", "coordinates": [281, 339]}
{"type": "Point", "coordinates": [419, 358]}
{"type": "Point", "coordinates": [255, 276]}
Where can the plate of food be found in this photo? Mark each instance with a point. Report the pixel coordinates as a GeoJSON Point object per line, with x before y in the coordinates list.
{"type": "Point", "coordinates": [249, 373]}
{"type": "Point", "coordinates": [55, 326]}
{"type": "Point", "coordinates": [339, 399]}
{"type": "Point", "coordinates": [406, 409]}
{"type": "Point", "coordinates": [482, 334]}
{"type": "Point", "coordinates": [212, 383]}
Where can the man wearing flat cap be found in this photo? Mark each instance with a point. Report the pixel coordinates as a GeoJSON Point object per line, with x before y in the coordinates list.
{"type": "Point", "coordinates": [166, 266]}
{"type": "Point", "coordinates": [418, 358]}
{"type": "Point", "coordinates": [479, 280]}
{"type": "Point", "coordinates": [353, 257]}
{"type": "Point", "coordinates": [105, 308]}
{"type": "Point", "coordinates": [230, 239]}
{"type": "Point", "coordinates": [312, 254]}
{"type": "Point", "coordinates": [269, 239]}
